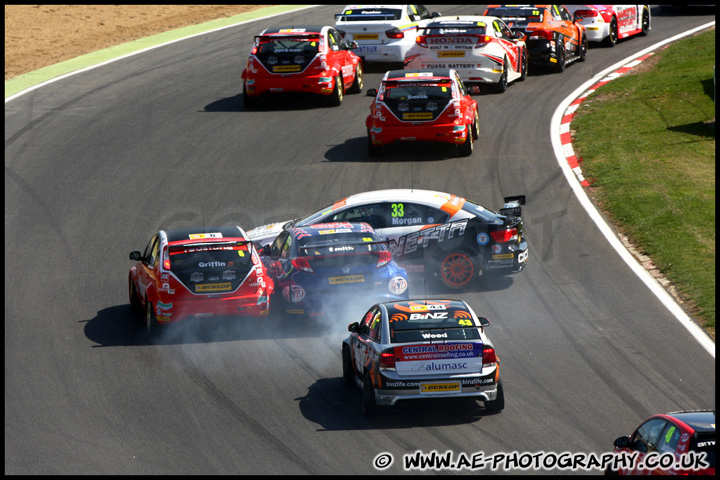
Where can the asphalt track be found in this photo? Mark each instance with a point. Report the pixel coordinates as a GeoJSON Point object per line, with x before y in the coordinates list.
{"type": "Point", "coordinates": [97, 162]}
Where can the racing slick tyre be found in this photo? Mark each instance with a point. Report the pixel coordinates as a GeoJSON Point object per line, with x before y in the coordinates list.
{"type": "Point", "coordinates": [249, 101]}
{"type": "Point", "coordinates": [151, 323]}
{"type": "Point", "coordinates": [612, 37]}
{"type": "Point", "coordinates": [524, 67]}
{"type": "Point", "coordinates": [369, 405]}
{"type": "Point", "coordinates": [498, 404]}
{"type": "Point", "coordinates": [502, 84]}
{"type": "Point", "coordinates": [358, 84]}
{"type": "Point", "coordinates": [337, 95]}
{"type": "Point", "coordinates": [135, 304]}
{"type": "Point", "coordinates": [476, 126]}
{"type": "Point", "coordinates": [645, 22]}
{"type": "Point", "coordinates": [560, 56]}
{"type": "Point", "coordinates": [348, 373]}
{"type": "Point", "coordinates": [457, 269]}
{"type": "Point", "coordinates": [465, 149]}
{"type": "Point", "coordinates": [373, 150]}
{"type": "Point", "coordinates": [583, 49]}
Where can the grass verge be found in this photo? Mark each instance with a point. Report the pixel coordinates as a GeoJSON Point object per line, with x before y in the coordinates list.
{"type": "Point", "coordinates": [647, 144]}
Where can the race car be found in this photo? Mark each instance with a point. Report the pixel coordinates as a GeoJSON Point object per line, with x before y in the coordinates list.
{"type": "Point", "coordinates": [430, 232]}
{"type": "Point", "coordinates": [418, 349]}
{"type": "Point", "coordinates": [483, 50]}
{"type": "Point", "coordinates": [384, 33]}
{"type": "Point", "coordinates": [429, 105]}
{"type": "Point", "coordinates": [198, 273]}
{"type": "Point", "coordinates": [311, 59]}
{"type": "Point", "coordinates": [324, 267]}
{"type": "Point", "coordinates": [551, 35]}
{"type": "Point", "coordinates": [677, 435]}
{"type": "Point", "coordinates": [609, 23]}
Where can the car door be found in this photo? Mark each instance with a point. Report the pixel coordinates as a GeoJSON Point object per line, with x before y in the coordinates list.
{"type": "Point", "coordinates": [146, 273]}
{"type": "Point", "coordinates": [645, 440]}
{"type": "Point", "coordinates": [340, 56]}
{"type": "Point", "coordinates": [506, 39]}
{"type": "Point", "coordinates": [568, 29]}
{"type": "Point", "coordinates": [362, 342]}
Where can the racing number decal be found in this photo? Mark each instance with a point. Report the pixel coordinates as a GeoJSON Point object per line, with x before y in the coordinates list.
{"type": "Point", "coordinates": [465, 323]}
{"type": "Point", "coordinates": [398, 210]}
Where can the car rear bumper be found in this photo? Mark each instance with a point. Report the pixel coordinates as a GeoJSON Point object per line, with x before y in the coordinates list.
{"type": "Point", "coordinates": [596, 32]}
{"type": "Point", "coordinates": [392, 390]}
{"type": "Point", "coordinates": [541, 52]}
{"type": "Point", "coordinates": [171, 310]}
{"type": "Point", "coordinates": [286, 83]}
{"type": "Point", "coordinates": [417, 132]}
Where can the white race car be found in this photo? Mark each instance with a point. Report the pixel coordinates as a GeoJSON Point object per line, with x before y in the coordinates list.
{"type": "Point", "coordinates": [384, 33]}
{"type": "Point", "coordinates": [609, 23]}
{"type": "Point", "coordinates": [482, 49]}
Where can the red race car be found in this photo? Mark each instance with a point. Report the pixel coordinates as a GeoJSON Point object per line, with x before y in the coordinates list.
{"type": "Point", "coordinates": [302, 59]}
{"type": "Point", "coordinates": [198, 272]}
{"type": "Point", "coordinates": [423, 105]}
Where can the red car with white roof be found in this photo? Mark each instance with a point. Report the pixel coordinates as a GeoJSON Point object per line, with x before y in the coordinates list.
{"type": "Point", "coordinates": [610, 23]}
{"type": "Point", "coordinates": [424, 105]}
{"type": "Point", "coordinates": [197, 273]}
{"type": "Point", "coordinates": [311, 59]}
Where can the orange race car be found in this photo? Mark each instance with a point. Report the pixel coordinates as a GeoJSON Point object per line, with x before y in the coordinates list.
{"type": "Point", "coordinates": [552, 35]}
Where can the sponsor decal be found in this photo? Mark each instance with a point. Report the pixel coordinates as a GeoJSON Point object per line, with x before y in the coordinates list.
{"type": "Point", "coordinates": [504, 256]}
{"type": "Point", "coordinates": [212, 287]}
{"type": "Point", "coordinates": [205, 249]}
{"type": "Point", "coordinates": [409, 243]}
{"type": "Point", "coordinates": [406, 221]}
{"type": "Point", "coordinates": [423, 308]}
{"type": "Point", "coordinates": [482, 238]}
{"type": "Point", "coordinates": [450, 40]}
{"type": "Point", "coordinates": [165, 287]}
{"type": "Point", "coordinates": [337, 230]}
{"type": "Point", "coordinates": [164, 306]}
{"type": "Point", "coordinates": [291, 30]}
{"type": "Point", "coordinates": [346, 279]}
{"type": "Point", "coordinates": [346, 248]}
{"type": "Point", "coordinates": [496, 248]}
{"type": "Point", "coordinates": [427, 316]}
{"type": "Point", "coordinates": [228, 275]}
{"type": "Point", "coordinates": [195, 236]}
{"type": "Point", "coordinates": [418, 116]}
{"type": "Point", "coordinates": [211, 264]}
{"type": "Point", "coordinates": [398, 285]}
{"type": "Point", "coordinates": [450, 65]}
{"type": "Point", "coordinates": [286, 68]}
{"type": "Point", "coordinates": [365, 36]}
{"type": "Point", "coordinates": [439, 387]}
{"type": "Point", "coordinates": [523, 257]}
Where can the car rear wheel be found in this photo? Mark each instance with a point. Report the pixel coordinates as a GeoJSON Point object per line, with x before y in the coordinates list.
{"type": "Point", "coordinates": [645, 22]}
{"type": "Point", "coordinates": [465, 149]}
{"type": "Point", "coordinates": [457, 269]}
{"type": "Point", "coordinates": [373, 150]}
{"type": "Point", "coordinates": [524, 66]}
{"type": "Point", "coordinates": [369, 405]}
{"type": "Point", "coordinates": [583, 49]}
{"type": "Point", "coordinates": [249, 101]}
{"type": "Point", "coordinates": [498, 404]}
{"type": "Point", "coordinates": [135, 304]}
{"type": "Point", "coordinates": [357, 85]}
{"type": "Point", "coordinates": [151, 323]}
{"type": "Point", "coordinates": [560, 57]}
{"type": "Point", "coordinates": [612, 37]}
{"type": "Point", "coordinates": [502, 84]}
{"type": "Point", "coordinates": [337, 95]}
{"type": "Point", "coordinates": [476, 126]}
{"type": "Point", "coordinates": [347, 372]}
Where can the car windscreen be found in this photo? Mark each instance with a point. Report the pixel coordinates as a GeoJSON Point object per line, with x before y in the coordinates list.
{"type": "Point", "coordinates": [428, 326]}
{"type": "Point", "coordinates": [370, 15]}
{"type": "Point", "coordinates": [517, 17]}
{"type": "Point", "coordinates": [299, 45]}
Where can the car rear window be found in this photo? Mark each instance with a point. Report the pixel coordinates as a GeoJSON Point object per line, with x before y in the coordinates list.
{"type": "Point", "coordinates": [433, 325]}
{"type": "Point", "coordinates": [370, 15]}
{"type": "Point", "coordinates": [478, 28]}
{"type": "Point", "coordinates": [305, 45]}
{"type": "Point", "coordinates": [202, 264]}
{"type": "Point", "coordinates": [517, 17]}
{"type": "Point", "coordinates": [337, 241]}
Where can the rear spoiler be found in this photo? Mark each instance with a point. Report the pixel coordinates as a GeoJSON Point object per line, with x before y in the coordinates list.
{"type": "Point", "coordinates": [511, 208]}
{"type": "Point", "coordinates": [383, 16]}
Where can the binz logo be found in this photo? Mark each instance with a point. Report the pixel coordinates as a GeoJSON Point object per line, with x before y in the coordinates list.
{"type": "Point", "coordinates": [428, 316]}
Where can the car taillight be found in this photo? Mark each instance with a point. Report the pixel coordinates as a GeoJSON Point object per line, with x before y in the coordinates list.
{"type": "Point", "coordinates": [489, 358]}
{"type": "Point", "coordinates": [384, 258]}
{"type": "Point", "coordinates": [387, 359]}
{"type": "Point", "coordinates": [421, 40]}
{"type": "Point", "coordinates": [586, 13]}
{"type": "Point", "coordinates": [394, 33]}
{"type": "Point", "coordinates": [482, 41]}
{"type": "Point", "coordinates": [302, 263]}
{"type": "Point", "coordinates": [166, 258]}
{"type": "Point", "coordinates": [503, 236]}
{"type": "Point", "coordinates": [254, 51]}
{"type": "Point", "coordinates": [546, 34]}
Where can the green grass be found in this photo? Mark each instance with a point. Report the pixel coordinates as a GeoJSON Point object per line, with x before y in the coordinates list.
{"type": "Point", "coordinates": [647, 144]}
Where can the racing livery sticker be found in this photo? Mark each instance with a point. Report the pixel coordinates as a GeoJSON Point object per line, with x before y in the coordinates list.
{"type": "Point", "coordinates": [431, 359]}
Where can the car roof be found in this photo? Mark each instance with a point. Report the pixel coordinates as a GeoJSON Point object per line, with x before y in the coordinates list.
{"type": "Point", "coordinates": [295, 29]}
{"type": "Point", "coordinates": [355, 6]}
{"type": "Point", "coordinates": [183, 234]}
{"type": "Point", "coordinates": [400, 194]}
{"type": "Point", "coordinates": [423, 306]}
{"type": "Point", "coordinates": [320, 229]}
{"type": "Point", "coordinates": [408, 74]}
{"type": "Point", "coordinates": [448, 19]}
{"type": "Point", "coordinates": [698, 420]}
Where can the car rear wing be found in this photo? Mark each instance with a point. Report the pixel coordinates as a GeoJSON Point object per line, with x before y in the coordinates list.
{"type": "Point", "coordinates": [511, 208]}
{"type": "Point", "coordinates": [373, 17]}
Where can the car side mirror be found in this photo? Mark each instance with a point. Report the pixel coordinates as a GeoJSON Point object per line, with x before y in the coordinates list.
{"type": "Point", "coordinates": [518, 34]}
{"type": "Point", "coordinates": [436, 14]}
{"type": "Point", "coordinates": [371, 92]}
{"type": "Point", "coordinates": [354, 327]}
{"type": "Point", "coordinates": [484, 322]}
{"type": "Point", "coordinates": [352, 45]}
{"type": "Point", "coordinates": [621, 442]}
{"type": "Point", "coordinates": [135, 255]}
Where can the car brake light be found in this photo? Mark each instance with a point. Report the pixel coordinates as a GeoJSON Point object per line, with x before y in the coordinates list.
{"type": "Point", "coordinates": [387, 359]}
{"type": "Point", "coordinates": [503, 236]}
{"type": "Point", "coordinates": [482, 41]}
{"type": "Point", "coordinates": [302, 263]}
{"type": "Point", "coordinates": [254, 51]}
{"type": "Point", "coordinates": [587, 13]}
{"type": "Point", "coordinates": [546, 34]}
{"type": "Point", "coordinates": [384, 258]}
{"type": "Point", "coordinates": [489, 357]}
{"type": "Point", "coordinates": [394, 33]}
{"type": "Point", "coordinates": [421, 40]}
{"type": "Point", "coordinates": [166, 258]}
